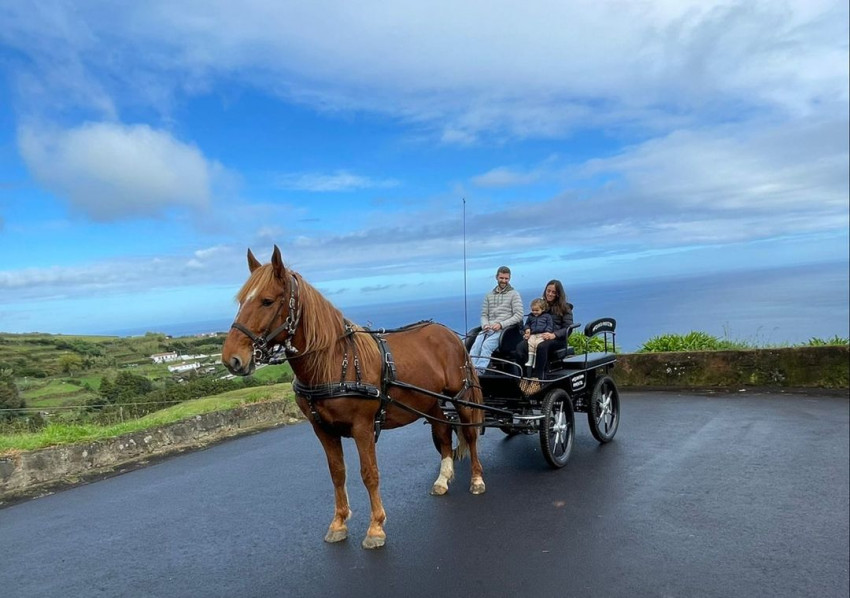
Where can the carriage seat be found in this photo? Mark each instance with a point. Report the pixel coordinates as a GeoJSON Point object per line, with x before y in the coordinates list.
{"type": "Point", "coordinates": [565, 351]}
{"type": "Point", "coordinates": [506, 350]}
{"type": "Point", "coordinates": [602, 326]}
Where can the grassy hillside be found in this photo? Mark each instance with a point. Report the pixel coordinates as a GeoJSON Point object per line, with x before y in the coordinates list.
{"type": "Point", "coordinates": [59, 371]}
{"type": "Point", "coordinates": [62, 433]}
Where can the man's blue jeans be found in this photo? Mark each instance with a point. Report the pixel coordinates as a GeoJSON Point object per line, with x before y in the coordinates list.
{"type": "Point", "coordinates": [485, 343]}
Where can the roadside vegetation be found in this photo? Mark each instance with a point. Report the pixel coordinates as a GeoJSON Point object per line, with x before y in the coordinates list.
{"type": "Point", "coordinates": [700, 341]}
{"type": "Point", "coordinates": [57, 389]}
{"type": "Point", "coordinates": [55, 433]}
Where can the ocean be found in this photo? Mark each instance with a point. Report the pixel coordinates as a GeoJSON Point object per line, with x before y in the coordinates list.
{"type": "Point", "coordinates": [764, 307]}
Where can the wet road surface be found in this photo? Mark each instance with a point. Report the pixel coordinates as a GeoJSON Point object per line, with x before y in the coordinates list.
{"type": "Point", "coordinates": [698, 495]}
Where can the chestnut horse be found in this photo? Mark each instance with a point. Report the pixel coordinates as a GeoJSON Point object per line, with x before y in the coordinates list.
{"type": "Point", "coordinates": [353, 382]}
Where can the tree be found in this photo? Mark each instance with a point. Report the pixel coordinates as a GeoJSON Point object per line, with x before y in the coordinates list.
{"type": "Point", "coordinates": [10, 400]}
{"type": "Point", "coordinates": [107, 390]}
{"type": "Point", "coordinates": [126, 387]}
{"type": "Point", "coordinates": [70, 363]}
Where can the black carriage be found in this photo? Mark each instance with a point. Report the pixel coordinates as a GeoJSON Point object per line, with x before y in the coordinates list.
{"type": "Point", "coordinates": [572, 383]}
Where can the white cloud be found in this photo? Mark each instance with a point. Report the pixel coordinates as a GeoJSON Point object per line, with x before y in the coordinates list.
{"type": "Point", "coordinates": [211, 252]}
{"type": "Point", "coordinates": [122, 275]}
{"type": "Point", "coordinates": [340, 180]}
{"type": "Point", "coordinates": [112, 172]}
{"type": "Point", "coordinates": [739, 170]}
{"type": "Point", "coordinates": [505, 177]}
{"type": "Point", "coordinates": [465, 69]}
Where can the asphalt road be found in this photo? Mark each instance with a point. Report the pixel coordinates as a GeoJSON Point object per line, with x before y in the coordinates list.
{"type": "Point", "coordinates": [698, 495]}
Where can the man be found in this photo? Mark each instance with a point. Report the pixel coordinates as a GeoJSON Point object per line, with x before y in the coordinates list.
{"type": "Point", "coordinates": [502, 308]}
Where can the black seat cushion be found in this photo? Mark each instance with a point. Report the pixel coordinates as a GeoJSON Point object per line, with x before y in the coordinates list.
{"type": "Point", "coordinates": [588, 361]}
{"type": "Point", "coordinates": [562, 352]}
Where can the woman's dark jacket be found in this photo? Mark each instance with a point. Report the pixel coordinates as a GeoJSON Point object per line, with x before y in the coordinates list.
{"type": "Point", "coordinates": [561, 324]}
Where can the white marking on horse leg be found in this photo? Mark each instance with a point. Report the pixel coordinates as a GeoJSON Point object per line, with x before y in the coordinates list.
{"type": "Point", "coordinates": [338, 531]}
{"type": "Point", "coordinates": [447, 474]}
{"type": "Point", "coordinates": [347, 502]}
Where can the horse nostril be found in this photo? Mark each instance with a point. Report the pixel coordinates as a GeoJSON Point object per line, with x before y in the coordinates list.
{"type": "Point", "coordinates": [235, 364]}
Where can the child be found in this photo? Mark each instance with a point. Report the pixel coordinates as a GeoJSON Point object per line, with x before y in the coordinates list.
{"type": "Point", "coordinates": [536, 324]}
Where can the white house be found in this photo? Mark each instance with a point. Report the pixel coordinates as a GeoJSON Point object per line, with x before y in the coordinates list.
{"type": "Point", "coordinates": [185, 367]}
{"type": "Point", "coordinates": [163, 357]}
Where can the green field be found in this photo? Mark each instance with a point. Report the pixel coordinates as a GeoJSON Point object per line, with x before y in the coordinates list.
{"type": "Point", "coordinates": [60, 433]}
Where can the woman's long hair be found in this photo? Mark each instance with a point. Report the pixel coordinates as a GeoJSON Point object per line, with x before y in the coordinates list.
{"type": "Point", "coordinates": [560, 306]}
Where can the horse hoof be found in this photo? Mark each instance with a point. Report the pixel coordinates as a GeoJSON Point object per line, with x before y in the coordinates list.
{"type": "Point", "coordinates": [336, 536]}
{"type": "Point", "coordinates": [438, 490]}
{"type": "Point", "coordinates": [372, 542]}
{"type": "Point", "coordinates": [477, 488]}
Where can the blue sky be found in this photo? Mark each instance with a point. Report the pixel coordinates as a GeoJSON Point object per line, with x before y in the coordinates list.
{"type": "Point", "coordinates": [144, 147]}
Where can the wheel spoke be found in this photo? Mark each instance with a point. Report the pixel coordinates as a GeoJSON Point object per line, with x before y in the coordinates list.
{"type": "Point", "coordinates": [558, 425]}
{"type": "Point", "coordinates": [556, 430]}
{"type": "Point", "coordinates": [603, 413]}
{"type": "Point", "coordinates": [562, 442]}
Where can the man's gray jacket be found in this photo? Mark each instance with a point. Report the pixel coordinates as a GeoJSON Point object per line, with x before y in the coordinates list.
{"type": "Point", "coordinates": [504, 307]}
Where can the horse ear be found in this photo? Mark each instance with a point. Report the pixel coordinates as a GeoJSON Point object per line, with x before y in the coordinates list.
{"type": "Point", "coordinates": [253, 263]}
{"type": "Point", "coordinates": [277, 263]}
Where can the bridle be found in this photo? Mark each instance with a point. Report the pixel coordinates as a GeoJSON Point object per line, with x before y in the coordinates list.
{"type": "Point", "coordinates": [265, 349]}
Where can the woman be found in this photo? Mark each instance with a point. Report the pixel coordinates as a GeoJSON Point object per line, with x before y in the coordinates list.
{"type": "Point", "coordinates": [562, 314]}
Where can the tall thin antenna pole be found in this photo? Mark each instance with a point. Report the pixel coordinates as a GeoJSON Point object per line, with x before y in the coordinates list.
{"type": "Point", "coordinates": [465, 325]}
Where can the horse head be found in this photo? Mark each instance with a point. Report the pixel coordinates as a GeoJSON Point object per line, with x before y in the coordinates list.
{"type": "Point", "coordinates": [268, 315]}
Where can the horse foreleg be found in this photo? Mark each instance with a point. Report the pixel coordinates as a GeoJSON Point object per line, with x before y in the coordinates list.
{"type": "Point", "coordinates": [442, 436]}
{"type": "Point", "coordinates": [338, 530]}
{"type": "Point", "coordinates": [364, 437]}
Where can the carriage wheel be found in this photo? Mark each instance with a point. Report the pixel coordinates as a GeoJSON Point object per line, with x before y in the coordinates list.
{"type": "Point", "coordinates": [603, 414]}
{"type": "Point", "coordinates": [557, 429]}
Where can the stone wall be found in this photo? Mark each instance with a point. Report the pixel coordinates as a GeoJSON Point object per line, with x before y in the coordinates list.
{"type": "Point", "coordinates": [30, 473]}
{"type": "Point", "coordinates": [795, 367]}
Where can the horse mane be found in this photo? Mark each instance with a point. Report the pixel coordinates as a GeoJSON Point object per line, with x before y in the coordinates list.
{"type": "Point", "coordinates": [260, 279]}
{"type": "Point", "coordinates": [322, 325]}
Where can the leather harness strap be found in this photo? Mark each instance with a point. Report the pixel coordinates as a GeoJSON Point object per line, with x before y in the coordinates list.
{"type": "Point", "coordinates": [347, 389]}
{"type": "Point", "coordinates": [357, 389]}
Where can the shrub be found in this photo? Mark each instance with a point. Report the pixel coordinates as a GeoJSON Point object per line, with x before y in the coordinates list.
{"type": "Point", "coordinates": [693, 341]}
{"type": "Point", "coordinates": [124, 388]}
{"type": "Point", "coordinates": [583, 344]}
{"type": "Point", "coordinates": [819, 342]}
{"type": "Point", "coordinates": [11, 400]}
{"type": "Point", "coordinates": [79, 346]}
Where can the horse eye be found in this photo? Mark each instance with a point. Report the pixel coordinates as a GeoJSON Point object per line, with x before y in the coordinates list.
{"type": "Point", "coordinates": [267, 302]}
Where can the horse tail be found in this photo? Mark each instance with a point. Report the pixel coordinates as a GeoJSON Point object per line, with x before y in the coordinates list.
{"type": "Point", "coordinates": [474, 395]}
{"type": "Point", "coordinates": [462, 449]}
{"type": "Point", "coordinates": [474, 390]}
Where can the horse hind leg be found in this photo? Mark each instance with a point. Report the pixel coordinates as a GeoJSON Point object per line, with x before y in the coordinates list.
{"type": "Point", "coordinates": [442, 436]}
{"type": "Point", "coordinates": [469, 437]}
{"type": "Point", "coordinates": [338, 529]}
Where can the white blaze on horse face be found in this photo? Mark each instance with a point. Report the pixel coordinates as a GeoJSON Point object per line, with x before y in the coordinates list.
{"type": "Point", "coordinates": [247, 300]}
